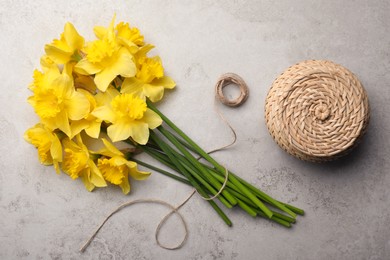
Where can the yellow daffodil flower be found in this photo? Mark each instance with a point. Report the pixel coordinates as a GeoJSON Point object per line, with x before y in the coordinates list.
{"type": "Point", "coordinates": [90, 124]}
{"type": "Point", "coordinates": [129, 116]}
{"type": "Point", "coordinates": [55, 100]}
{"type": "Point", "coordinates": [116, 169]}
{"type": "Point", "coordinates": [77, 163]}
{"type": "Point", "coordinates": [149, 81]}
{"type": "Point", "coordinates": [43, 79]}
{"type": "Point", "coordinates": [106, 58]}
{"type": "Point", "coordinates": [130, 38]}
{"type": "Point", "coordinates": [47, 143]}
{"type": "Point", "coordinates": [129, 34]}
{"type": "Point", "coordinates": [67, 47]}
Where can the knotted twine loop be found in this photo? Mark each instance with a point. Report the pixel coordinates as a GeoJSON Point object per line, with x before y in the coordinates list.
{"type": "Point", "coordinates": [223, 81]}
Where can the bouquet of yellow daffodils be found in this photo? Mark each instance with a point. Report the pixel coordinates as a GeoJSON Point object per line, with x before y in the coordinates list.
{"type": "Point", "coordinates": [105, 90]}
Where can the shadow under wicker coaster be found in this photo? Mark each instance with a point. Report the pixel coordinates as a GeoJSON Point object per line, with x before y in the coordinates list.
{"type": "Point", "coordinates": [317, 110]}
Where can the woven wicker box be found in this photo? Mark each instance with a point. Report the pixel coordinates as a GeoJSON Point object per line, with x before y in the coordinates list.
{"type": "Point", "coordinates": [317, 110]}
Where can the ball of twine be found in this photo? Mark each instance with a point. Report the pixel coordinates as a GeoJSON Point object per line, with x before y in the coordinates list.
{"type": "Point", "coordinates": [317, 110]}
{"type": "Point", "coordinates": [227, 79]}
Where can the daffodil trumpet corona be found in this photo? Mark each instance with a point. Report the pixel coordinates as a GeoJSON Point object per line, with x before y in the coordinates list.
{"type": "Point", "coordinates": [91, 96]}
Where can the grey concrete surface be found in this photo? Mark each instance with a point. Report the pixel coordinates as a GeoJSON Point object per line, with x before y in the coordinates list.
{"type": "Point", "coordinates": [49, 216]}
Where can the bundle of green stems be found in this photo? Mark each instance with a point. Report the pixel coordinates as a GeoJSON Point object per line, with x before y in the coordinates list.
{"type": "Point", "coordinates": [174, 149]}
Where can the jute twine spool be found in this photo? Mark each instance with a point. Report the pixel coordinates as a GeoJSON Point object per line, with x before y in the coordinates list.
{"type": "Point", "coordinates": [317, 110]}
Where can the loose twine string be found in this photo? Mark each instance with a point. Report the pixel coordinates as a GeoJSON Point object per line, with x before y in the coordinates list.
{"type": "Point", "coordinates": [223, 81]}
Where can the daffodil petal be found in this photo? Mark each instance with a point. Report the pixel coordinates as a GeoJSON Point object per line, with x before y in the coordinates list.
{"type": "Point", "coordinates": [125, 185]}
{"type": "Point", "coordinates": [87, 183]}
{"type": "Point", "coordinates": [68, 70]}
{"type": "Point", "coordinates": [104, 151]}
{"type": "Point", "coordinates": [56, 149]}
{"type": "Point", "coordinates": [144, 50]}
{"type": "Point", "coordinates": [104, 113]}
{"type": "Point", "coordinates": [120, 131]}
{"type": "Point", "coordinates": [104, 98]}
{"type": "Point", "coordinates": [73, 39]}
{"type": "Point", "coordinates": [131, 164]}
{"type": "Point", "coordinates": [154, 93]}
{"type": "Point", "coordinates": [132, 86]}
{"type": "Point", "coordinates": [64, 83]}
{"type": "Point", "coordinates": [113, 150]}
{"type": "Point", "coordinates": [56, 166]}
{"type": "Point", "coordinates": [166, 82]}
{"type": "Point", "coordinates": [100, 31]}
{"type": "Point", "coordinates": [49, 124]}
{"type": "Point", "coordinates": [152, 119]}
{"type": "Point", "coordinates": [77, 106]}
{"type": "Point", "coordinates": [58, 55]}
{"type": "Point", "coordinates": [104, 78]}
{"type": "Point", "coordinates": [139, 132]}
{"type": "Point", "coordinates": [96, 176]}
{"type": "Point", "coordinates": [93, 130]}
{"type": "Point", "coordinates": [62, 123]}
{"type": "Point", "coordinates": [31, 101]}
{"type": "Point", "coordinates": [123, 65]}
{"type": "Point", "coordinates": [85, 67]}
{"type": "Point", "coordinates": [138, 175]}
{"type": "Point", "coordinates": [131, 46]}
{"type": "Point", "coordinates": [77, 126]}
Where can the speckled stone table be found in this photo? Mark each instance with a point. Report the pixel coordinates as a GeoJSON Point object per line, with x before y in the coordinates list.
{"type": "Point", "coordinates": [49, 216]}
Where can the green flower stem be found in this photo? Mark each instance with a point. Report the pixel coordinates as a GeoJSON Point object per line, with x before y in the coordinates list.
{"type": "Point", "coordinates": [294, 209]}
{"type": "Point", "coordinates": [250, 196]}
{"type": "Point", "coordinates": [261, 194]}
{"type": "Point", "coordinates": [206, 156]}
{"type": "Point", "coordinates": [283, 206]}
{"type": "Point", "coordinates": [207, 185]}
{"type": "Point", "coordinates": [235, 192]}
{"type": "Point", "coordinates": [245, 207]}
{"type": "Point", "coordinates": [232, 200]}
{"type": "Point", "coordinates": [156, 154]}
{"type": "Point", "coordinates": [201, 191]}
{"type": "Point", "coordinates": [192, 170]}
{"type": "Point", "coordinates": [171, 175]}
{"type": "Point", "coordinates": [284, 217]}
{"type": "Point", "coordinates": [257, 210]}
{"type": "Point", "coordinates": [197, 164]}
{"type": "Point", "coordinates": [199, 150]}
{"type": "Point", "coordinates": [267, 198]}
{"type": "Point", "coordinates": [285, 222]}
{"type": "Point", "coordinates": [241, 197]}
{"type": "Point", "coordinates": [185, 144]}
{"type": "Point", "coordinates": [291, 210]}
{"type": "Point", "coordinates": [276, 219]}
{"type": "Point", "coordinates": [243, 202]}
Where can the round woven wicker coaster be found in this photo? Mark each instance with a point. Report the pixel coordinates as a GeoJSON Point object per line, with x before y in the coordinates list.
{"type": "Point", "coordinates": [317, 110]}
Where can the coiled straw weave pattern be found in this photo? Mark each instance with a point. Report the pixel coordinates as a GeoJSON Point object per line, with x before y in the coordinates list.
{"type": "Point", "coordinates": [317, 110]}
